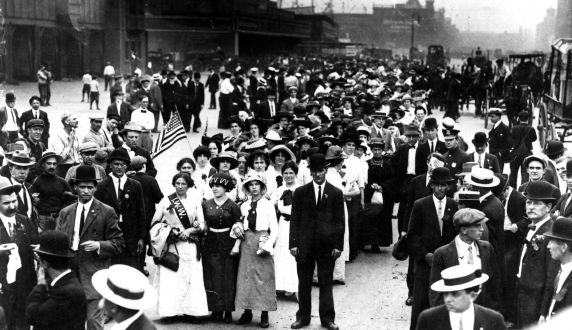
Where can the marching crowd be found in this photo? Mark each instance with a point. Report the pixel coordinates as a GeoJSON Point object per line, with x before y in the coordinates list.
{"type": "Point", "coordinates": [317, 156]}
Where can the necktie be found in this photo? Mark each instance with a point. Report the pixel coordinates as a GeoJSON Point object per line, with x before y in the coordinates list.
{"type": "Point", "coordinates": [13, 118]}
{"type": "Point", "coordinates": [470, 259]}
{"type": "Point", "coordinates": [10, 229]}
{"type": "Point", "coordinates": [461, 323]}
{"type": "Point", "coordinates": [82, 219]}
{"type": "Point", "coordinates": [118, 188]}
{"type": "Point", "coordinates": [556, 280]}
{"type": "Point", "coordinates": [432, 147]}
{"type": "Point", "coordinates": [25, 197]}
{"type": "Point", "coordinates": [480, 160]}
{"type": "Point", "coordinates": [36, 115]}
{"type": "Point", "coordinates": [272, 109]}
{"type": "Point", "coordinates": [440, 215]}
{"type": "Point", "coordinates": [319, 196]}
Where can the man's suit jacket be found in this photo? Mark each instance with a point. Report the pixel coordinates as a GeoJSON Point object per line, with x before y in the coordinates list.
{"type": "Point", "coordinates": [101, 226]}
{"type": "Point", "coordinates": [500, 141]}
{"type": "Point", "coordinates": [562, 300]}
{"type": "Point", "coordinates": [263, 110]}
{"type": "Point", "coordinates": [494, 210]}
{"type": "Point", "coordinates": [199, 93]}
{"type": "Point", "coordinates": [155, 98]}
{"type": "Point", "coordinates": [424, 235]}
{"type": "Point", "coordinates": [124, 112]}
{"type": "Point", "coordinates": [4, 117]}
{"type": "Point", "coordinates": [563, 209]}
{"type": "Point", "coordinates": [417, 189]}
{"type": "Point", "coordinates": [62, 306]}
{"type": "Point", "coordinates": [27, 115]}
{"type": "Point", "coordinates": [401, 160]}
{"type": "Point", "coordinates": [423, 151]}
{"type": "Point", "coordinates": [151, 194]}
{"type": "Point", "coordinates": [130, 207]}
{"type": "Point", "coordinates": [151, 170]}
{"type": "Point", "coordinates": [447, 256]}
{"type": "Point", "coordinates": [538, 266]}
{"type": "Point", "coordinates": [438, 318]}
{"type": "Point", "coordinates": [212, 82]}
{"type": "Point", "coordinates": [142, 323]}
{"type": "Point", "coordinates": [317, 227]}
{"type": "Point", "coordinates": [491, 162]}
{"type": "Point", "coordinates": [288, 106]}
{"type": "Point", "coordinates": [385, 135]}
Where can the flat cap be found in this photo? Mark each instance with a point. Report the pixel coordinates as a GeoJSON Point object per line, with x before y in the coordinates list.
{"type": "Point", "coordinates": [468, 217]}
{"type": "Point", "coordinates": [35, 123]}
{"type": "Point", "coordinates": [88, 146]}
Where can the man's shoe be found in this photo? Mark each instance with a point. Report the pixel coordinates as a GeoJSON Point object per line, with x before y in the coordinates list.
{"type": "Point", "coordinates": [299, 324]}
{"type": "Point", "coordinates": [227, 317]}
{"type": "Point", "coordinates": [245, 318]}
{"type": "Point", "coordinates": [264, 320]}
{"type": "Point", "coordinates": [409, 301]}
{"type": "Point", "coordinates": [330, 326]}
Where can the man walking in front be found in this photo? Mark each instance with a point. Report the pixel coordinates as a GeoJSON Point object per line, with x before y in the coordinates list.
{"type": "Point", "coordinates": [316, 237]}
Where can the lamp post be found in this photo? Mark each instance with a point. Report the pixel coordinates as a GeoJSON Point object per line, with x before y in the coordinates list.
{"type": "Point", "coordinates": [414, 17]}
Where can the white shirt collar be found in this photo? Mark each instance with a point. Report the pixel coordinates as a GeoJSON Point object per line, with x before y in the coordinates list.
{"type": "Point", "coordinates": [436, 201]}
{"type": "Point", "coordinates": [467, 317]}
{"type": "Point", "coordinates": [539, 224]}
{"type": "Point", "coordinates": [59, 277]}
{"type": "Point", "coordinates": [127, 322]}
{"type": "Point", "coordinates": [86, 205]}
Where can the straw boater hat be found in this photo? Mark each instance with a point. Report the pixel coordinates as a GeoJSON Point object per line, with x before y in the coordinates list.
{"type": "Point", "coordinates": [459, 277]}
{"type": "Point", "coordinates": [254, 177]}
{"type": "Point", "coordinates": [21, 158]}
{"type": "Point", "coordinates": [6, 187]}
{"type": "Point", "coordinates": [482, 177]}
{"type": "Point", "coordinates": [124, 286]}
{"type": "Point", "coordinates": [273, 136]}
{"type": "Point", "coordinates": [54, 243]}
{"type": "Point", "coordinates": [225, 155]}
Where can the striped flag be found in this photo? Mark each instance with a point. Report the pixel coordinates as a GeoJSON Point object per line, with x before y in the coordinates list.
{"type": "Point", "coordinates": [170, 134]}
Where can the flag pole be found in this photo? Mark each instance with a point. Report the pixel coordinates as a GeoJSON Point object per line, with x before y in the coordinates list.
{"type": "Point", "coordinates": [186, 134]}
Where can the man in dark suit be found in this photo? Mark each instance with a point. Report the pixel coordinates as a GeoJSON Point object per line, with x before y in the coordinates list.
{"type": "Point", "coordinates": [20, 165]}
{"type": "Point", "coordinates": [468, 248]}
{"type": "Point", "coordinates": [16, 230]}
{"type": "Point", "coordinates": [58, 300]}
{"type": "Point", "coordinates": [564, 207]}
{"type": "Point", "coordinates": [500, 141]}
{"type": "Point", "coordinates": [430, 227]}
{"type": "Point", "coordinates": [316, 237]}
{"type": "Point", "coordinates": [121, 109]}
{"type": "Point", "coordinates": [125, 196]}
{"type": "Point", "coordinates": [558, 289]}
{"type": "Point", "coordinates": [268, 109]}
{"type": "Point", "coordinates": [187, 99]}
{"type": "Point", "coordinates": [35, 113]}
{"type": "Point", "coordinates": [125, 304]}
{"type": "Point", "coordinates": [460, 287]}
{"type": "Point", "coordinates": [536, 266]}
{"type": "Point", "coordinates": [95, 242]}
{"type": "Point", "coordinates": [430, 145]}
{"type": "Point", "coordinates": [455, 156]}
{"type": "Point", "coordinates": [172, 91]}
{"type": "Point", "coordinates": [130, 135]}
{"type": "Point", "coordinates": [212, 85]}
{"type": "Point", "coordinates": [199, 101]}
{"type": "Point", "coordinates": [481, 157]}
{"type": "Point", "coordinates": [378, 131]}
{"type": "Point", "coordinates": [522, 136]}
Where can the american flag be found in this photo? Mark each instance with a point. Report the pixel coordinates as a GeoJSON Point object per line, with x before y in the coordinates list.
{"type": "Point", "coordinates": [170, 134]}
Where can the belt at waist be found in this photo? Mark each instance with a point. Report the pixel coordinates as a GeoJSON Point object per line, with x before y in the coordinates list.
{"type": "Point", "coordinates": [221, 230]}
{"type": "Point", "coordinates": [286, 217]}
{"type": "Point", "coordinates": [49, 214]}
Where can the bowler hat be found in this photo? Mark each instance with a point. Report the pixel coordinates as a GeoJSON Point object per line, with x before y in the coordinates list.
{"type": "Point", "coordinates": [540, 190]}
{"type": "Point", "coordinates": [411, 130]}
{"type": "Point", "coordinates": [523, 115]}
{"type": "Point", "coordinates": [441, 175]}
{"type": "Point", "coordinates": [561, 229]}
{"type": "Point", "coordinates": [54, 243]}
{"type": "Point", "coordinates": [10, 97]}
{"type": "Point", "coordinates": [85, 173]}
{"type": "Point", "coordinates": [480, 138]}
{"type": "Point", "coordinates": [468, 217]}
{"type": "Point", "coordinates": [430, 123]}
{"type": "Point", "coordinates": [459, 277]}
{"type": "Point", "coordinates": [34, 98]}
{"type": "Point", "coordinates": [119, 154]}
{"type": "Point", "coordinates": [317, 161]}
{"type": "Point", "coordinates": [554, 148]}
{"type": "Point", "coordinates": [482, 177]}
{"type": "Point", "coordinates": [124, 286]}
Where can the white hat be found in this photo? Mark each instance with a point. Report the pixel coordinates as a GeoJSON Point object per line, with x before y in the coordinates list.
{"type": "Point", "coordinates": [482, 177]}
{"type": "Point", "coordinates": [273, 136]}
{"type": "Point", "coordinates": [459, 277]}
{"type": "Point", "coordinates": [124, 286]}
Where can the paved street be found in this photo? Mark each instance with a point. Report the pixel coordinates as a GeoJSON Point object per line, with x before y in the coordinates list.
{"type": "Point", "coordinates": [375, 290]}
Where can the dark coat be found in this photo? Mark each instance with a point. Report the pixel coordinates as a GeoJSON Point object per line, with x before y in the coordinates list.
{"type": "Point", "coordinates": [311, 227]}
{"type": "Point", "coordinates": [27, 115]}
{"type": "Point", "coordinates": [172, 95]}
{"type": "Point", "coordinates": [500, 141]}
{"type": "Point", "coordinates": [563, 298]}
{"type": "Point", "coordinates": [438, 318]}
{"type": "Point", "coordinates": [491, 162]}
{"type": "Point", "coordinates": [447, 256]}
{"type": "Point", "coordinates": [100, 225]}
{"type": "Point", "coordinates": [494, 210]}
{"type": "Point", "coordinates": [124, 112]}
{"type": "Point", "coordinates": [130, 206]}
{"type": "Point", "coordinates": [151, 194]}
{"type": "Point", "coordinates": [199, 93]}
{"type": "Point", "coordinates": [263, 110]}
{"type": "Point", "coordinates": [524, 134]}
{"type": "Point", "coordinates": [212, 82]}
{"type": "Point", "coordinates": [563, 209]}
{"type": "Point", "coordinates": [142, 323]}
{"type": "Point", "coordinates": [423, 234]}
{"type": "Point", "coordinates": [417, 189]}
{"type": "Point", "coordinates": [151, 170]}
{"type": "Point", "coordinates": [62, 306]}
{"type": "Point", "coordinates": [454, 160]}
{"type": "Point", "coordinates": [423, 152]}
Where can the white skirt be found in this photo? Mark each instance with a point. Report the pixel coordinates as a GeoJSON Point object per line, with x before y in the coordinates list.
{"type": "Point", "coordinates": [284, 263]}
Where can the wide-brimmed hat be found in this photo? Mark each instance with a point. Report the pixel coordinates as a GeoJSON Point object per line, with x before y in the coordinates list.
{"type": "Point", "coordinates": [561, 230]}
{"type": "Point", "coordinates": [537, 158]}
{"type": "Point", "coordinates": [47, 154]}
{"type": "Point", "coordinates": [305, 139]}
{"type": "Point", "coordinates": [363, 130]}
{"type": "Point", "coordinates": [273, 136]}
{"type": "Point", "coordinates": [6, 187]}
{"type": "Point", "coordinates": [467, 168]}
{"type": "Point", "coordinates": [335, 155]}
{"type": "Point", "coordinates": [329, 138]}
{"type": "Point", "coordinates": [283, 114]}
{"type": "Point", "coordinates": [554, 148]}
{"type": "Point", "coordinates": [222, 179]}
{"type": "Point", "coordinates": [317, 161]}
{"type": "Point", "coordinates": [289, 154]}
{"type": "Point", "coordinates": [54, 243]}
{"type": "Point", "coordinates": [480, 138]}
{"type": "Point", "coordinates": [541, 190]}
{"type": "Point", "coordinates": [119, 154]}
{"type": "Point", "coordinates": [124, 286]}
{"type": "Point", "coordinates": [468, 217]}
{"type": "Point", "coordinates": [10, 97]}
{"type": "Point", "coordinates": [225, 155]}
{"type": "Point", "coordinates": [441, 175]}
{"type": "Point", "coordinates": [255, 145]}
{"type": "Point", "coordinates": [459, 277]}
{"type": "Point", "coordinates": [302, 122]}
{"type": "Point", "coordinates": [21, 158]}
{"type": "Point", "coordinates": [482, 177]}
{"type": "Point", "coordinates": [85, 173]}
{"type": "Point", "coordinates": [254, 177]}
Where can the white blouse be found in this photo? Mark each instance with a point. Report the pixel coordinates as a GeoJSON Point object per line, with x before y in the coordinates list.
{"type": "Point", "coordinates": [265, 220]}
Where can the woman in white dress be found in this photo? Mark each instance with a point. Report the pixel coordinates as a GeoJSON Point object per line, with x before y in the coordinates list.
{"type": "Point", "coordinates": [182, 292]}
{"type": "Point", "coordinates": [204, 170]}
{"type": "Point", "coordinates": [284, 262]}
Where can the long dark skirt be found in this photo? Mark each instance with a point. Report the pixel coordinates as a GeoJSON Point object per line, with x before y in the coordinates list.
{"type": "Point", "coordinates": [377, 228]}
{"type": "Point", "coordinates": [219, 269]}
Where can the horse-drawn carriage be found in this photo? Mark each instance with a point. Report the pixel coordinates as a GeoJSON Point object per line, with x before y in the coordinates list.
{"type": "Point", "coordinates": [555, 110]}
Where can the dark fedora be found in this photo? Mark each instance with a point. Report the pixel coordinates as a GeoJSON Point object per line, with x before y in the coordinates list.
{"type": "Point", "coordinates": [480, 139]}
{"type": "Point", "coordinates": [119, 154]}
{"type": "Point", "coordinates": [554, 148]}
{"type": "Point", "coordinates": [561, 230]}
{"type": "Point", "coordinates": [317, 161]}
{"type": "Point", "coordinates": [441, 175]}
{"type": "Point", "coordinates": [541, 190]}
{"type": "Point", "coordinates": [85, 173]}
{"type": "Point", "coordinates": [54, 243]}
